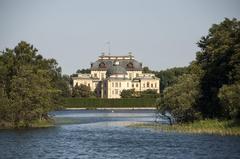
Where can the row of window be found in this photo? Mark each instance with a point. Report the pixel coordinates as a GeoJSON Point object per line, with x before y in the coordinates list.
{"type": "Point", "coordinates": [116, 91]}
{"type": "Point", "coordinates": [118, 84]}
{"type": "Point", "coordinates": [85, 83]}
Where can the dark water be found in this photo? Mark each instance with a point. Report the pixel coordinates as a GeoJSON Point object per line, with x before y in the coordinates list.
{"type": "Point", "coordinates": [102, 134]}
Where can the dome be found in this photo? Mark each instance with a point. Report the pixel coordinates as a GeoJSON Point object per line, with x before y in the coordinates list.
{"type": "Point", "coordinates": [116, 70]}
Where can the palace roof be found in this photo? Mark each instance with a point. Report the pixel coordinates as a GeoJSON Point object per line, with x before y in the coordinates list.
{"type": "Point", "coordinates": [126, 62]}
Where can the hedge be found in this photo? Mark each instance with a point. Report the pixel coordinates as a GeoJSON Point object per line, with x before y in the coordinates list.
{"type": "Point", "coordinates": [98, 102]}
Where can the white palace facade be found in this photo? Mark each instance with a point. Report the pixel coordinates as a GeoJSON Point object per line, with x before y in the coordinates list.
{"type": "Point", "coordinates": [112, 74]}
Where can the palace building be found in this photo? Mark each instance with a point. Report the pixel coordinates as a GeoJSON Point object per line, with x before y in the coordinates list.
{"type": "Point", "coordinates": [112, 74]}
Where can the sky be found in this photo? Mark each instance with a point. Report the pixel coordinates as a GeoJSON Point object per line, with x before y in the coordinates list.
{"type": "Point", "coordinates": [160, 33]}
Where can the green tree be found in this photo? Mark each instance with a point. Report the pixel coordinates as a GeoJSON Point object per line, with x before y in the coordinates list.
{"type": "Point", "coordinates": [82, 91]}
{"type": "Point", "coordinates": [180, 99]}
{"type": "Point", "coordinates": [169, 76]}
{"type": "Point", "coordinates": [219, 59]}
{"type": "Point", "coordinates": [83, 71]}
{"type": "Point", "coordinates": [127, 93]}
{"type": "Point", "coordinates": [230, 99]}
{"type": "Point", "coordinates": [28, 88]}
{"type": "Point", "coordinates": [149, 93]}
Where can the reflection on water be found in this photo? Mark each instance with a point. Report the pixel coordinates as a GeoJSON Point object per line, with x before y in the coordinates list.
{"type": "Point", "coordinates": [102, 134]}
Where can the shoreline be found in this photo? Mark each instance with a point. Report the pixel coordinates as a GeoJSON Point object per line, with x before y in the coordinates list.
{"type": "Point", "coordinates": [114, 108]}
{"type": "Point", "coordinates": [211, 127]}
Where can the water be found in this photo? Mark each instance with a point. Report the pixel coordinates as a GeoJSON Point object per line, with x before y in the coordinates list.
{"type": "Point", "coordinates": [103, 134]}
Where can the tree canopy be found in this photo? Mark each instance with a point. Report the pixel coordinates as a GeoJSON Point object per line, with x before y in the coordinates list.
{"type": "Point", "coordinates": [29, 85]}
{"type": "Point", "coordinates": [209, 87]}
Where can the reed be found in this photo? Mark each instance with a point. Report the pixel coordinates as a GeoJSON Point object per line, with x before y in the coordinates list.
{"type": "Point", "coordinates": [209, 126]}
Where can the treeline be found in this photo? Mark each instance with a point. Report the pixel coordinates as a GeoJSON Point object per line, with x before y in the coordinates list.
{"type": "Point", "coordinates": [210, 86]}
{"type": "Point", "coordinates": [167, 77]}
{"type": "Point", "coordinates": [30, 86]}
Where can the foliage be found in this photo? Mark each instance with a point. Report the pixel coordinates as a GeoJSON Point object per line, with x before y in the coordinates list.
{"type": "Point", "coordinates": [82, 91]}
{"type": "Point", "coordinates": [149, 93]}
{"type": "Point", "coordinates": [169, 77]}
{"type": "Point", "coordinates": [209, 126]}
{"type": "Point", "coordinates": [28, 89]}
{"type": "Point", "coordinates": [229, 96]}
{"type": "Point", "coordinates": [93, 103]}
{"type": "Point", "coordinates": [146, 70]}
{"type": "Point", "coordinates": [209, 87]}
{"type": "Point", "coordinates": [129, 93]}
{"type": "Point", "coordinates": [180, 99]}
{"type": "Point", "coordinates": [219, 59]}
{"type": "Point", "coordinates": [83, 71]}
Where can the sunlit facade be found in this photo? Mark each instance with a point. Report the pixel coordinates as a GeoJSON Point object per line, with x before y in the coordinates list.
{"type": "Point", "coordinates": [112, 74]}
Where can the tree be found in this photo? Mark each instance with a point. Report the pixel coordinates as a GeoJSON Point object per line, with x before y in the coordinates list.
{"type": "Point", "coordinates": [219, 59]}
{"type": "Point", "coordinates": [127, 93]}
{"type": "Point", "coordinates": [149, 93]}
{"type": "Point", "coordinates": [146, 70]}
{"type": "Point", "coordinates": [82, 91]}
{"type": "Point", "coordinates": [83, 71]}
{"type": "Point", "coordinates": [180, 99]}
{"type": "Point", "coordinates": [229, 96]}
{"type": "Point", "coordinates": [169, 77]}
{"type": "Point", "coordinates": [28, 88]}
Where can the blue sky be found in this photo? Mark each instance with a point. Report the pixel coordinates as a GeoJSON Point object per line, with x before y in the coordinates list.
{"type": "Point", "coordinates": [160, 33]}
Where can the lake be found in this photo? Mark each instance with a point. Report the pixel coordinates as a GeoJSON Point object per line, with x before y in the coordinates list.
{"type": "Point", "coordinates": [103, 134]}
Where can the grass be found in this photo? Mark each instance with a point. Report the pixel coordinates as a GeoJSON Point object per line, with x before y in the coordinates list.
{"type": "Point", "coordinates": [198, 127]}
{"type": "Point", "coordinates": [33, 124]}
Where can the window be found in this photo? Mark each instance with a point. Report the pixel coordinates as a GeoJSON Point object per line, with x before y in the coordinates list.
{"type": "Point", "coordinates": [112, 91]}
{"type": "Point", "coordinates": [155, 85]}
{"type": "Point", "coordinates": [130, 65]}
{"type": "Point", "coordinates": [116, 91]}
{"type": "Point", "coordinates": [102, 65]}
{"type": "Point", "coordinates": [119, 84]}
{"type": "Point", "coordinates": [127, 84]}
{"type": "Point", "coordinates": [132, 85]}
{"type": "Point", "coordinates": [147, 84]}
{"type": "Point", "coordinates": [136, 85]}
{"type": "Point", "coordinates": [151, 85]}
{"type": "Point", "coordinates": [88, 84]}
{"type": "Point", "coordinates": [116, 84]}
{"type": "Point", "coordinates": [112, 84]}
{"type": "Point", "coordinates": [95, 75]}
{"type": "Point", "coordinates": [137, 75]}
{"type": "Point", "coordinates": [102, 75]}
{"type": "Point", "coordinates": [130, 75]}
{"type": "Point", "coordinates": [143, 85]}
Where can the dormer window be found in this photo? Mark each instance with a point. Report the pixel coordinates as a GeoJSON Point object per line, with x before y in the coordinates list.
{"type": "Point", "coordinates": [130, 65]}
{"type": "Point", "coordinates": [102, 65]}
